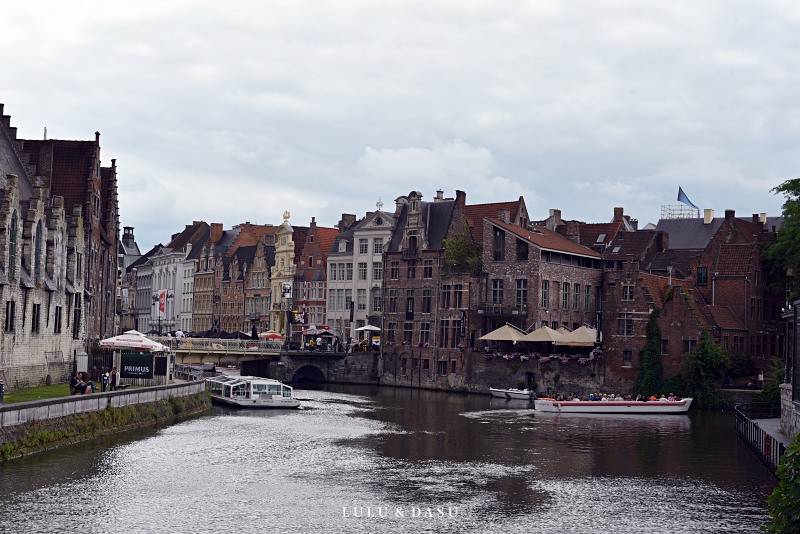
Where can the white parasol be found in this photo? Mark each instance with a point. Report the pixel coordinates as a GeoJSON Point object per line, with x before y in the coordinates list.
{"type": "Point", "coordinates": [133, 340]}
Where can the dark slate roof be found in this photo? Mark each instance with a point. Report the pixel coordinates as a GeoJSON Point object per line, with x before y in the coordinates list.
{"type": "Point", "coordinates": [689, 233]}
{"type": "Point", "coordinates": [71, 166]}
{"type": "Point", "coordinates": [546, 239]}
{"type": "Point", "coordinates": [680, 260]}
{"type": "Point", "coordinates": [246, 255]}
{"type": "Point", "coordinates": [436, 215]}
{"type": "Point", "coordinates": [633, 243]}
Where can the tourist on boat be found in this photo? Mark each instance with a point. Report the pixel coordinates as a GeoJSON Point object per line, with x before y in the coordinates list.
{"type": "Point", "coordinates": [662, 398]}
{"type": "Point", "coordinates": [671, 397]}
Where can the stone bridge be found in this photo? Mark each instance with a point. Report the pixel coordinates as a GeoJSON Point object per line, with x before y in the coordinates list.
{"type": "Point", "coordinates": [270, 359]}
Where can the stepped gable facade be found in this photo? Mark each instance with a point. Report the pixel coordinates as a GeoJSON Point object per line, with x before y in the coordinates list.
{"type": "Point", "coordinates": [310, 287]}
{"type": "Point", "coordinates": [57, 233]}
{"type": "Point", "coordinates": [428, 309]}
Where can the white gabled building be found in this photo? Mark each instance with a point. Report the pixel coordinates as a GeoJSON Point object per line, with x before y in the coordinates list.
{"type": "Point", "coordinates": [355, 272]}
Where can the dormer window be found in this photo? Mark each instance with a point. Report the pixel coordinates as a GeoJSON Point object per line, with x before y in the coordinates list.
{"type": "Point", "coordinates": [601, 238]}
{"type": "Point", "coordinates": [378, 221]}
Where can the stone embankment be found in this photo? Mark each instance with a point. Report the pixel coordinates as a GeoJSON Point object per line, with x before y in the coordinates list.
{"type": "Point", "coordinates": [31, 427]}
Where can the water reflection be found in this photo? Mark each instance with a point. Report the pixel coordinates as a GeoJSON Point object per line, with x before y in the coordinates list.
{"type": "Point", "coordinates": [349, 453]}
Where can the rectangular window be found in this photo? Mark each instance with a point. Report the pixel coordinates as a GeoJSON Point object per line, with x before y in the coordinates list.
{"type": "Point", "coordinates": [394, 270]}
{"type": "Point", "coordinates": [688, 345]}
{"type": "Point", "coordinates": [445, 297]}
{"type": "Point", "coordinates": [376, 303]}
{"type": "Point", "coordinates": [427, 269]}
{"type": "Point", "coordinates": [499, 253]}
{"type": "Point", "coordinates": [522, 250]}
{"type": "Point", "coordinates": [576, 297]}
{"type": "Point", "coordinates": [627, 292]}
{"type": "Point", "coordinates": [587, 298]}
{"type": "Point", "coordinates": [702, 276]}
{"type": "Point", "coordinates": [444, 326]}
{"type": "Point", "coordinates": [377, 270]}
{"type": "Point", "coordinates": [441, 368]}
{"type": "Point", "coordinates": [625, 324]}
{"type": "Point", "coordinates": [565, 296]}
{"type": "Point", "coordinates": [363, 246]}
{"type": "Point", "coordinates": [348, 269]}
{"type": "Point", "coordinates": [362, 270]}
{"type": "Point", "coordinates": [458, 292]}
{"type": "Point", "coordinates": [393, 301]}
{"type": "Point", "coordinates": [333, 271]}
{"type": "Point", "coordinates": [9, 324]}
{"type": "Point", "coordinates": [424, 334]}
{"type": "Point", "coordinates": [664, 347]}
{"type": "Point", "coordinates": [426, 301]}
{"type": "Point", "coordinates": [412, 269]}
{"type": "Point", "coordinates": [627, 358]}
{"type": "Point", "coordinates": [57, 322]}
{"type": "Point", "coordinates": [377, 245]}
{"type": "Point", "coordinates": [545, 303]}
{"type": "Point", "coordinates": [37, 310]}
{"type": "Point", "coordinates": [408, 332]}
{"type": "Point", "coordinates": [391, 332]}
{"type": "Point", "coordinates": [497, 291]}
{"type": "Point", "coordinates": [409, 303]}
{"type": "Point", "coordinates": [521, 294]}
{"type": "Point", "coordinates": [361, 299]}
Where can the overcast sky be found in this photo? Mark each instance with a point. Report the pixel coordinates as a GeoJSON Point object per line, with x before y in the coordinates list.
{"type": "Point", "coordinates": [236, 111]}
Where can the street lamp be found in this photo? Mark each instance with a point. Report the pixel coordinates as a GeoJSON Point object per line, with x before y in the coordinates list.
{"type": "Point", "coordinates": [156, 305]}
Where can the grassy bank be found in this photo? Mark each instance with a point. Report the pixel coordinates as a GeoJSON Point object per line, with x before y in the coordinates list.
{"type": "Point", "coordinates": [37, 393]}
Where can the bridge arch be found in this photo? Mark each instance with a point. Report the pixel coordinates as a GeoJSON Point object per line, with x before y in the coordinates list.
{"type": "Point", "coordinates": [309, 374]}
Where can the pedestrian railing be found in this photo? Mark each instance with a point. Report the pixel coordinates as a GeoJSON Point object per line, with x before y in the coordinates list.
{"type": "Point", "coordinates": [203, 344]}
{"type": "Point", "coordinates": [761, 442]}
{"type": "Point", "coordinates": [188, 372]}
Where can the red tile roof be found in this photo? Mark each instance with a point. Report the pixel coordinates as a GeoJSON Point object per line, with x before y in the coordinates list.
{"type": "Point", "coordinates": [546, 239]}
{"type": "Point", "coordinates": [477, 212]}
{"type": "Point", "coordinates": [735, 259]}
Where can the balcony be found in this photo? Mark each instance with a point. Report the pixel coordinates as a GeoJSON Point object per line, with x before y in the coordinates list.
{"type": "Point", "coordinates": [488, 308]}
{"type": "Point", "coordinates": [410, 253]}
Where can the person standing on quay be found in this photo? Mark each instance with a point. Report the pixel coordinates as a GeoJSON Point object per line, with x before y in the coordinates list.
{"type": "Point", "coordinates": [114, 378]}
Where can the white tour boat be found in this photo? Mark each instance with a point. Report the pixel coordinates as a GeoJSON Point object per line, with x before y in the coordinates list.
{"type": "Point", "coordinates": [512, 394]}
{"type": "Point", "coordinates": [251, 392]}
{"type": "Point", "coordinates": [615, 406]}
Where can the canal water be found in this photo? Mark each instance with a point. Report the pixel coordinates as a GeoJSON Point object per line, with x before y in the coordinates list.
{"type": "Point", "coordinates": [359, 459]}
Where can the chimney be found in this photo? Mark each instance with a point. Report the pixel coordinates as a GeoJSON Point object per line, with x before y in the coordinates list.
{"type": "Point", "coordinates": [755, 218]}
{"type": "Point", "coordinates": [763, 218]}
{"type": "Point", "coordinates": [216, 233]}
{"type": "Point", "coordinates": [439, 195]}
{"type": "Point", "coordinates": [729, 214]}
{"type": "Point", "coordinates": [346, 220]}
{"type": "Point", "coordinates": [618, 212]}
{"type": "Point", "coordinates": [708, 216]}
{"type": "Point", "coordinates": [504, 215]}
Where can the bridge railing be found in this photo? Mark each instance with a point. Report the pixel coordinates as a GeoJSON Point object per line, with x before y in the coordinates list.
{"type": "Point", "coordinates": [222, 345]}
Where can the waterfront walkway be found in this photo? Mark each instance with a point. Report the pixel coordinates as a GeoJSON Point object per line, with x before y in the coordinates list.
{"type": "Point", "coordinates": [772, 426]}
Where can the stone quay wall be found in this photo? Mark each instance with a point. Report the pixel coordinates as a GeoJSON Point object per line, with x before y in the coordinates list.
{"type": "Point", "coordinates": [36, 426]}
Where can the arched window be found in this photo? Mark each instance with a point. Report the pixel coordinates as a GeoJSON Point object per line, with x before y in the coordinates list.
{"type": "Point", "coordinates": [12, 247]}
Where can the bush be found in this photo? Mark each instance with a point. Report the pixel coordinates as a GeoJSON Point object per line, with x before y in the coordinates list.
{"type": "Point", "coordinates": [784, 502]}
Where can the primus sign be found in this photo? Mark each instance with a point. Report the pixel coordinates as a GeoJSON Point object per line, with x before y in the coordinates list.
{"type": "Point", "coordinates": [136, 364]}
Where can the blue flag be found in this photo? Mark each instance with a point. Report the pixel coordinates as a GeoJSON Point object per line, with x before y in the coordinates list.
{"type": "Point", "coordinates": [683, 198]}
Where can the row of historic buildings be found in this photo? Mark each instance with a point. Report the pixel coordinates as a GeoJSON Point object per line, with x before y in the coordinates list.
{"type": "Point", "coordinates": [435, 275]}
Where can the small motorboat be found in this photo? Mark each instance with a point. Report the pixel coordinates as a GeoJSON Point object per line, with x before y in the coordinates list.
{"type": "Point", "coordinates": [512, 394]}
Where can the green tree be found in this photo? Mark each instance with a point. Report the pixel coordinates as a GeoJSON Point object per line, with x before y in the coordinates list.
{"type": "Point", "coordinates": [462, 254]}
{"type": "Point", "coordinates": [783, 254]}
{"type": "Point", "coordinates": [771, 394]}
{"type": "Point", "coordinates": [707, 362]}
{"type": "Point", "coordinates": [784, 502]}
{"type": "Point", "coordinates": [651, 375]}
